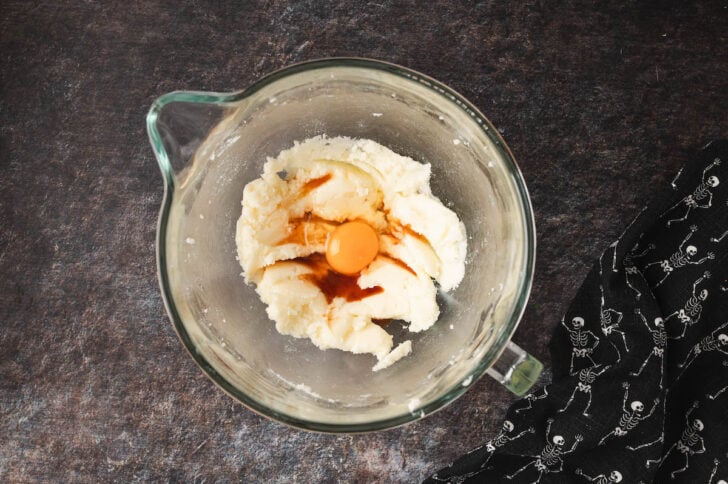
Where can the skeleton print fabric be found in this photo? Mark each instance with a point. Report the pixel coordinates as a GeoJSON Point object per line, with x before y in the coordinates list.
{"type": "Point", "coordinates": [640, 360]}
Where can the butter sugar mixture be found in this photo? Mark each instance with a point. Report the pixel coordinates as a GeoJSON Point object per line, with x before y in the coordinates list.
{"type": "Point", "coordinates": [341, 236]}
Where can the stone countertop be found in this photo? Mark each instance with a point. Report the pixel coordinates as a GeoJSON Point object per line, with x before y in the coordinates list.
{"type": "Point", "coordinates": [600, 104]}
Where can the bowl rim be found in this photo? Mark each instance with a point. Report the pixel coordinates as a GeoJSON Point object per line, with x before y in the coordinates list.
{"type": "Point", "coordinates": [438, 88]}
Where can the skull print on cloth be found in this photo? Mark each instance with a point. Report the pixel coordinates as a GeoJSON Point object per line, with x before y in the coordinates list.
{"type": "Point", "coordinates": [639, 391]}
{"type": "Point", "coordinates": [701, 197]}
{"type": "Point", "coordinates": [549, 459]}
{"type": "Point", "coordinates": [683, 257]}
{"type": "Point", "coordinates": [690, 313]}
{"type": "Point", "coordinates": [483, 453]}
{"type": "Point", "coordinates": [631, 416]}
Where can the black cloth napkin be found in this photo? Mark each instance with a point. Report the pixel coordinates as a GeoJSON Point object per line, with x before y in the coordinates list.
{"type": "Point", "coordinates": [640, 360]}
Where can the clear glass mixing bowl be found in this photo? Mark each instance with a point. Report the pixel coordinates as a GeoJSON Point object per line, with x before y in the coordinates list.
{"type": "Point", "coordinates": [209, 146]}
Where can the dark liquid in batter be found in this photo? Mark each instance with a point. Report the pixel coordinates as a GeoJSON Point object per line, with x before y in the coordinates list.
{"type": "Point", "coordinates": [331, 283]}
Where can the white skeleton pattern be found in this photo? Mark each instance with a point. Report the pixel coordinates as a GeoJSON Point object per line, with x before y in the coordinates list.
{"type": "Point", "coordinates": [530, 398]}
{"type": "Point", "coordinates": [630, 269]}
{"type": "Point", "coordinates": [693, 309]}
{"type": "Point", "coordinates": [630, 417]}
{"type": "Point", "coordinates": [579, 338]}
{"type": "Point", "coordinates": [501, 439]}
{"type": "Point", "coordinates": [690, 443]}
{"type": "Point", "coordinates": [586, 378]}
{"type": "Point", "coordinates": [661, 437]}
{"type": "Point", "coordinates": [681, 258]}
{"type": "Point", "coordinates": [614, 476]}
{"type": "Point", "coordinates": [659, 342]}
{"type": "Point", "coordinates": [607, 315]}
{"type": "Point", "coordinates": [549, 459]}
{"type": "Point", "coordinates": [708, 343]}
{"type": "Point", "coordinates": [701, 194]}
{"type": "Point", "coordinates": [504, 436]}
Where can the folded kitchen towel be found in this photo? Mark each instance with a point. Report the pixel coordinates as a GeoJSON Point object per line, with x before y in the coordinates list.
{"type": "Point", "coordinates": [640, 360]}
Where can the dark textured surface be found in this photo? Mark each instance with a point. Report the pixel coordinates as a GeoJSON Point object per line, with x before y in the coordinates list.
{"type": "Point", "coordinates": [600, 104]}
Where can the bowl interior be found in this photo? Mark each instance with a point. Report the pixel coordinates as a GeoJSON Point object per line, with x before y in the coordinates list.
{"type": "Point", "coordinates": [222, 319]}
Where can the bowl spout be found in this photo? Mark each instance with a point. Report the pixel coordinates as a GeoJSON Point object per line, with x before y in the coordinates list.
{"type": "Point", "coordinates": [178, 123]}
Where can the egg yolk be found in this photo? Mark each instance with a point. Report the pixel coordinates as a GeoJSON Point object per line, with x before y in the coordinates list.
{"type": "Point", "coordinates": [351, 247]}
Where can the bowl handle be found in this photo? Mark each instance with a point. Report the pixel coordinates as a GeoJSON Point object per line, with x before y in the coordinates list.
{"type": "Point", "coordinates": [516, 369]}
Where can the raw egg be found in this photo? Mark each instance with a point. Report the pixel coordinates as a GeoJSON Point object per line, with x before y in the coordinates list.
{"type": "Point", "coordinates": [351, 247]}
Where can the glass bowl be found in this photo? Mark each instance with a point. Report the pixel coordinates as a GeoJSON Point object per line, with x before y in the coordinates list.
{"type": "Point", "coordinates": [210, 145]}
